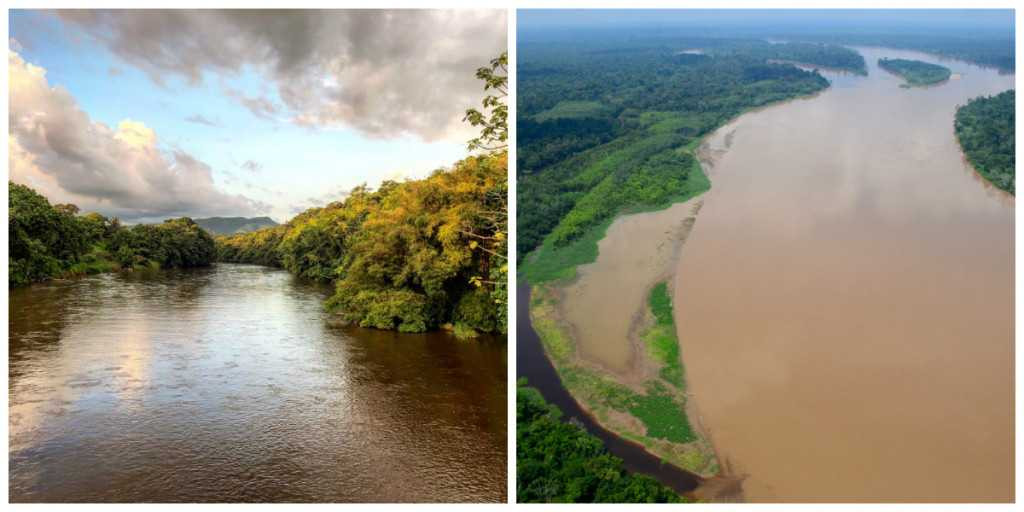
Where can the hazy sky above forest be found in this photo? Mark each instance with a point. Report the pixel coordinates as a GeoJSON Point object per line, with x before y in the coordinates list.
{"type": "Point", "coordinates": [918, 20]}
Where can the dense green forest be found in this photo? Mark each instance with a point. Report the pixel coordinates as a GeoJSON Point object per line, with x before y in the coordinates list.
{"type": "Point", "coordinates": [915, 72]}
{"type": "Point", "coordinates": [48, 241]}
{"type": "Point", "coordinates": [808, 54]}
{"type": "Point", "coordinates": [604, 129]}
{"type": "Point", "coordinates": [558, 462]}
{"type": "Point", "coordinates": [410, 256]}
{"type": "Point", "coordinates": [985, 129]}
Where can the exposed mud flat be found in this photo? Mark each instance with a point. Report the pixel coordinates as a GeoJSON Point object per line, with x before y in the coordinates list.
{"type": "Point", "coordinates": [845, 304]}
{"type": "Point", "coordinates": [607, 303]}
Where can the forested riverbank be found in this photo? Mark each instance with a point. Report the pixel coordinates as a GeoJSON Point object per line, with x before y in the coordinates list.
{"type": "Point", "coordinates": [49, 241]}
{"type": "Point", "coordinates": [411, 256]}
{"type": "Point", "coordinates": [583, 471]}
{"type": "Point", "coordinates": [985, 129]}
{"type": "Point", "coordinates": [604, 131]}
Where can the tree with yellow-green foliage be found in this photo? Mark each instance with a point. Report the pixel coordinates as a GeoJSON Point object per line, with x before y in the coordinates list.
{"type": "Point", "coordinates": [410, 256]}
{"type": "Point", "coordinates": [423, 257]}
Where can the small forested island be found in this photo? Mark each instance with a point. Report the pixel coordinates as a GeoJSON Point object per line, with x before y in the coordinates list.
{"type": "Point", "coordinates": [915, 72]}
{"type": "Point", "coordinates": [985, 129]}
{"type": "Point", "coordinates": [559, 462]}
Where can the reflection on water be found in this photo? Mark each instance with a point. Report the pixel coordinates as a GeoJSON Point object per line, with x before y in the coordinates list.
{"type": "Point", "coordinates": [845, 299]}
{"type": "Point", "coordinates": [226, 384]}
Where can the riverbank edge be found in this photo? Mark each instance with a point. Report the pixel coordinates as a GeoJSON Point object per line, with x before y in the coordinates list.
{"type": "Point", "coordinates": [584, 249]}
{"type": "Point", "coordinates": [697, 457]}
{"type": "Point", "coordinates": [557, 414]}
{"type": "Point", "coordinates": [970, 162]}
{"type": "Point", "coordinates": [810, 65]}
{"type": "Point", "coordinates": [84, 269]}
{"type": "Point", "coordinates": [981, 175]}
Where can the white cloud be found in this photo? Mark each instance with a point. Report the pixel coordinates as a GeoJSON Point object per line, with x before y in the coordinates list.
{"type": "Point", "coordinates": [56, 148]}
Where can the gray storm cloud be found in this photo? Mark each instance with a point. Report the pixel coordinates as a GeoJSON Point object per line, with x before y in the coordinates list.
{"type": "Point", "coordinates": [56, 148]}
{"type": "Point", "coordinates": [384, 73]}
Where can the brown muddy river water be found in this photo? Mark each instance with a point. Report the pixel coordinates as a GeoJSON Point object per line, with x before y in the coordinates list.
{"type": "Point", "coordinates": [845, 298]}
{"type": "Point", "coordinates": [226, 384]}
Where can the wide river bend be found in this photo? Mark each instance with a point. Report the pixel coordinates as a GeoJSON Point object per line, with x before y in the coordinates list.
{"type": "Point", "coordinates": [845, 299]}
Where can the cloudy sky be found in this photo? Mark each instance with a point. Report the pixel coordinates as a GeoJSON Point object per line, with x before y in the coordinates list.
{"type": "Point", "coordinates": [148, 115]}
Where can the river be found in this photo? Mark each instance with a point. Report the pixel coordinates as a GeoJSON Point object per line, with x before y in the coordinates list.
{"type": "Point", "coordinates": [227, 384]}
{"type": "Point", "coordinates": [845, 300]}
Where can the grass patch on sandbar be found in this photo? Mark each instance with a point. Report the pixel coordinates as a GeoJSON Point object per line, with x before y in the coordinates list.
{"type": "Point", "coordinates": [661, 340]}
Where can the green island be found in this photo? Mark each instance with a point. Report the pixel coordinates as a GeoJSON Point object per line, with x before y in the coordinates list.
{"type": "Point", "coordinates": [410, 256]}
{"type": "Point", "coordinates": [559, 462]}
{"type": "Point", "coordinates": [985, 129]}
{"type": "Point", "coordinates": [915, 72]}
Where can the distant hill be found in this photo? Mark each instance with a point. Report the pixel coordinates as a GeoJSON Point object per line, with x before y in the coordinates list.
{"type": "Point", "coordinates": [229, 225]}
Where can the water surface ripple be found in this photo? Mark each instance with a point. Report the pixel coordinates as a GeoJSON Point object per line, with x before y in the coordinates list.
{"type": "Point", "coordinates": [227, 384]}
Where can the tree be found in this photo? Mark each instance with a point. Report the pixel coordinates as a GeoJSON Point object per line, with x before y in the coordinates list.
{"type": "Point", "coordinates": [493, 128]}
